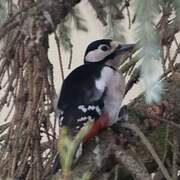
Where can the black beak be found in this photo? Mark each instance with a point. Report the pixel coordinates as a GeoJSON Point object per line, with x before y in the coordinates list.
{"type": "Point", "coordinates": [124, 48]}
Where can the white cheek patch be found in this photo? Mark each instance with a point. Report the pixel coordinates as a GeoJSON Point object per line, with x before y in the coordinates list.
{"type": "Point", "coordinates": [96, 55]}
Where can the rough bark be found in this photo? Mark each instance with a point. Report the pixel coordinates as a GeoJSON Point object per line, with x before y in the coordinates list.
{"type": "Point", "coordinates": [30, 86]}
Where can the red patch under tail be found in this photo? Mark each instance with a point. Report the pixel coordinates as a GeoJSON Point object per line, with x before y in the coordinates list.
{"type": "Point", "coordinates": [99, 124]}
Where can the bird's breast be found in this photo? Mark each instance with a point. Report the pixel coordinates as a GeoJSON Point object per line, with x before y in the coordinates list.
{"type": "Point", "coordinates": [114, 83]}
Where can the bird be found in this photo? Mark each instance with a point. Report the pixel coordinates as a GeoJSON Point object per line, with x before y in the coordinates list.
{"type": "Point", "coordinates": [93, 92]}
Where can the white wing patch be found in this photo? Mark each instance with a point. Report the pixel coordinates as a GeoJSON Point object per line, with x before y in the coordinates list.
{"type": "Point", "coordinates": [61, 113]}
{"type": "Point", "coordinates": [106, 75]}
{"type": "Point", "coordinates": [77, 127]}
{"type": "Point", "coordinates": [100, 84]}
{"type": "Point", "coordinates": [91, 107]}
{"type": "Point", "coordinates": [98, 110]}
{"type": "Point", "coordinates": [82, 108]}
{"type": "Point", "coordinates": [82, 119]}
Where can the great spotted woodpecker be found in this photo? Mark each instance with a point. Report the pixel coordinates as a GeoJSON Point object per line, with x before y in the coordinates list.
{"type": "Point", "coordinates": [94, 91]}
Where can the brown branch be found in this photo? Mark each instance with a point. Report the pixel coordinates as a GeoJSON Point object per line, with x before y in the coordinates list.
{"type": "Point", "coordinates": [133, 165]}
{"type": "Point", "coordinates": [167, 121]}
{"type": "Point", "coordinates": [4, 127]}
{"type": "Point", "coordinates": [148, 145]}
{"type": "Point", "coordinates": [168, 32]}
{"type": "Point", "coordinates": [175, 150]}
{"type": "Point", "coordinates": [8, 28]}
{"type": "Point", "coordinates": [110, 154]}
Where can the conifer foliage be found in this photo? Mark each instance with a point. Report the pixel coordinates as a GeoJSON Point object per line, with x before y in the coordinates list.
{"type": "Point", "coordinates": [27, 121]}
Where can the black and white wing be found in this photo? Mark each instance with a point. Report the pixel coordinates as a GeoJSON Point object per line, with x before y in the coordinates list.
{"type": "Point", "coordinates": [80, 100]}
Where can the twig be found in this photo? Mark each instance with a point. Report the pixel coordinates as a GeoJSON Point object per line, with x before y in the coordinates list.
{"type": "Point", "coordinates": [128, 14]}
{"type": "Point", "coordinates": [70, 58]}
{"type": "Point", "coordinates": [148, 145]}
{"type": "Point", "coordinates": [136, 168]}
{"type": "Point", "coordinates": [4, 127]}
{"type": "Point", "coordinates": [59, 54]}
{"type": "Point", "coordinates": [171, 123]}
{"type": "Point", "coordinates": [166, 144]}
{"type": "Point", "coordinates": [175, 150]}
{"type": "Point", "coordinates": [98, 7]}
{"type": "Point", "coordinates": [133, 80]}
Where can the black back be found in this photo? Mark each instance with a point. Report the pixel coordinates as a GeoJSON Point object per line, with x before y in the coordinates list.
{"type": "Point", "coordinates": [79, 89]}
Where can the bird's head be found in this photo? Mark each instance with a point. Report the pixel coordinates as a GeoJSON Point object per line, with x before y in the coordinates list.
{"type": "Point", "coordinates": [106, 51]}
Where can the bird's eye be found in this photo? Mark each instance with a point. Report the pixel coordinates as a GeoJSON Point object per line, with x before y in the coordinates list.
{"type": "Point", "coordinates": [104, 47]}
